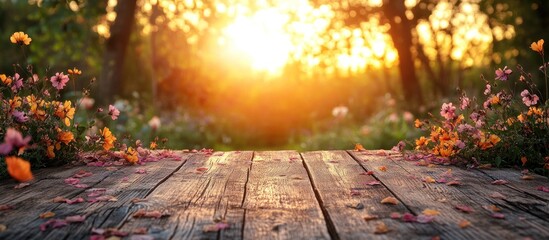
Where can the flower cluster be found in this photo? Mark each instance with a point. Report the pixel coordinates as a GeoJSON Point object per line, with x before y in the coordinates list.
{"type": "Point", "coordinates": [509, 127]}
{"type": "Point", "coordinates": [33, 107]}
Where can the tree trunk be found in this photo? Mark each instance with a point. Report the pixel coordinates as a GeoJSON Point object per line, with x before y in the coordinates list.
{"type": "Point", "coordinates": [401, 33]}
{"type": "Point", "coordinates": [110, 81]}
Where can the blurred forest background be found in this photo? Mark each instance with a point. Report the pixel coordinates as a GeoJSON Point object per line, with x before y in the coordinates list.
{"type": "Point", "coordinates": [300, 74]}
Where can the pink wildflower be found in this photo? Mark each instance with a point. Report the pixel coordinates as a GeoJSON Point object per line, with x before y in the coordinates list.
{"type": "Point", "coordinates": [448, 111]}
{"type": "Point", "coordinates": [17, 82]}
{"type": "Point", "coordinates": [20, 117]}
{"type": "Point", "coordinates": [113, 112]}
{"type": "Point", "coordinates": [529, 99]}
{"type": "Point", "coordinates": [503, 74]}
{"type": "Point", "coordinates": [13, 140]}
{"type": "Point", "coordinates": [59, 80]}
{"type": "Point", "coordinates": [465, 102]}
{"type": "Point", "coordinates": [488, 89]}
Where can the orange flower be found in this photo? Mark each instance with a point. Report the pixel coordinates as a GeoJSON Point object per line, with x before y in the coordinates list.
{"type": "Point", "coordinates": [108, 139]}
{"type": "Point", "coordinates": [66, 112]}
{"type": "Point", "coordinates": [494, 100]}
{"type": "Point", "coordinates": [50, 151]}
{"type": "Point", "coordinates": [131, 156]}
{"type": "Point", "coordinates": [5, 80]}
{"type": "Point", "coordinates": [74, 71]}
{"type": "Point", "coordinates": [20, 38]}
{"type": "Point", "coordinates": [19, 169]}
{"type": "Point", "coordinates": [488, 143]}
{"type": "Point", "coordinates": [418, 123]}
{"type": "Point", "coordinates": [65, 137]}
{"type": "Point", "coordinates": [537, 46]}
{"type": "Point", "coordinates": [359, 147]}
{"type": "Point", "coordinates": [421, 142]}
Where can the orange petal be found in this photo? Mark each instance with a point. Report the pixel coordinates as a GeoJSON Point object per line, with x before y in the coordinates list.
{"type": "Point", "coordinates": [19, 169]}
{"type": "Point", "coordinates": [390, 200]}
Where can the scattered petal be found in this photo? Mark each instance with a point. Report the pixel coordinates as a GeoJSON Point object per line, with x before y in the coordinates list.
{"type": "Point", "coordinates": [390, 200]}
{"type": "Point", "coordinates": [492, 208]}
{"type": "Point", "coordinates": [381, 228]}
{"type": "Point", "coordinates": [141, 171]}
{"type": "Point", "coordinates": [498, 215]}
{"type": "Point", "coordinates": [543, 189]}
{"type": "Point", "coordinates": [215, 227]}
{"type": "Point", "coordinates": [47, 215]}
{"type": "Point", "coordinates": [464, 224]}
{"type": "Point", "coordinates": [370, 217]}
{"type": "Point", "coordinates": [527, 177]}
{"type": "Point", "coordinates": [382, 168]}
{"type": "Point", "coordinates": [21, 185]}
{"type": "Point", "coordinates": [75, 219]}
{"type": "Point", "coordinates": [424, 218]}
{"type": "Point", "coordinates": [73, 201]}
{"type": "Point", "coordinates": [500, 182]}
{"type": "Point", "coordinates": [431, 212]}
{"type": "Point", "coordinates": [395, 215]}
{"type": "Point", "coordinates": [4, 207]}
{"type": "Point", "coordinates": [453, 183]}
{"type": "Point", "coordinates": [354, 192]}
{"type": "Point", "coordinates": [142, 213]}
{"type": "Point", "coordinates": [201, 169]}
{"type": "Point", "coordinates": [497, 195]}
{"type": "Point", "coordinates": [54, 223]}
{"type": "Point", "coordinates": [429, 179]}
{"type": "Point", "coordinates": [408, 217]}
{"type": "Point", "coordinates": [72, 181]}
{"type": "Point", "coordinates": [372, 183]}
{"type": "Point", "coordinates": [465, 209]}
{"type": "Point", "coordinates": [82, 174]}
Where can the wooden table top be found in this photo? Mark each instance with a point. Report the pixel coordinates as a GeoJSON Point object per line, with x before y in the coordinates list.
{"type": "Point", "coordinates": [277, 195]}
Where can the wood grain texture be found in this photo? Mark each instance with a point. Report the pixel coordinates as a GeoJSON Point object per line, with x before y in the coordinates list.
{"type": "Point", "coordinates": [334, 175]}
{"type": "Point", "coordinates": [513, 176]}
{"type": "Point", "coordinates": [280, 202]}
{"type": "Point", "coordinates": [406, 180]}
{"type": "Point", "coordinates": [123, 183]}
{"type": "Point", "coordinates": [205, 191]}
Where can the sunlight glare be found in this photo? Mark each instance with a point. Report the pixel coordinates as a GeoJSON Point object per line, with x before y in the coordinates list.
{"type": "Point", "coordinates": [262, 39]}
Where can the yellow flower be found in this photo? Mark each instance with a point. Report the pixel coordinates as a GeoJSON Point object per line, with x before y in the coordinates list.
{"type": "Point", "coordinates": [74, 71]}
{"type": "Point", "coordinates": [65, 112]}
{"type": "Point", "coordinates": [15, 103]}
{"type": "Point", "coordinates": [421, 142]}
{"type": "Point", "coordinates": [19, 169]}
{"type": "Point", "coordinates": [131, 156]}
{"type": "Point", "coordinates": [65, 137]}
{"type": "Point", "coordinates": [446, 150]}
{"type": "Point", "coordinates": [537, 46]}
{"type": "Point", "coordinates": [20, 38]}
{"type": "Point", "coordinates": [153, 145]}
{"type": "Point", "coordinates": [108, 139]}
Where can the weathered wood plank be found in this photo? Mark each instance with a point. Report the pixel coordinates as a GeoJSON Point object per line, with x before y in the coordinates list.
{"type": "Point", "coordinates": [37, 198]}
{"type": "Point", "coordinates": [519, 184]}
{"type": "Point", "coordinates": [124, 184]}
{"type": "Point", "coordinates": [405, 180]}
{"type": "Point", "coordinates": [334, 175]}
{"type": "Point", "coordinates": [206, 190]}
{"type": "Point", "coordinates": [280, 202]}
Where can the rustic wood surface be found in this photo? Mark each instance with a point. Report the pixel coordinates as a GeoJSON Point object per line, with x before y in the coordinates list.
{"type": "Point", "coordinates": [281, 195]}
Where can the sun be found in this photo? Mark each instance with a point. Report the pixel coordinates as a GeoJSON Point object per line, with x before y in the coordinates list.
{"type": "Point", "coordinates": [261, 39]}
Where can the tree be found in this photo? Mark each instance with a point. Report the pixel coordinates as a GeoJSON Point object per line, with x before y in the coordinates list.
{"type": "Point", "coordinates": [115, 50]}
